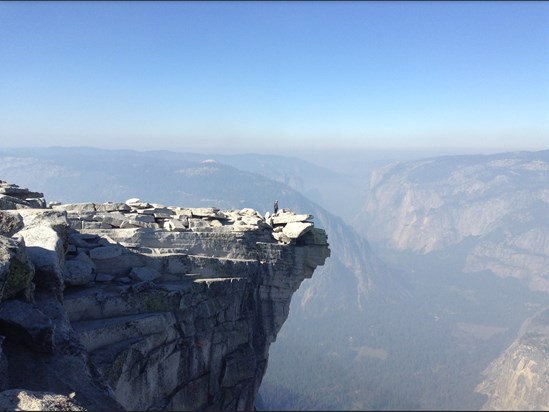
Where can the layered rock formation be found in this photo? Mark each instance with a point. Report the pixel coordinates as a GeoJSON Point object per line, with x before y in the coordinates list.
{"type": "Point", "coordinates": [519, 378]}
{"type": "Point", "coordinates": [142, 306]}
{"type": "Point", "coordinates": [490, 209]}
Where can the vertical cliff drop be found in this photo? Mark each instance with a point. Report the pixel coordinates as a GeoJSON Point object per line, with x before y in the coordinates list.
{"type": "Point", "coordinates": [171, 308]}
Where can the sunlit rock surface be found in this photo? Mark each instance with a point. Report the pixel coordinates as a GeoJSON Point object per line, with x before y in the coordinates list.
{"type": "Point", "coordinates": [141, 306]}
{"type": "Point", "coordinates": [493, 209]}
{"type": "Point", "coordinates": [519, 378]}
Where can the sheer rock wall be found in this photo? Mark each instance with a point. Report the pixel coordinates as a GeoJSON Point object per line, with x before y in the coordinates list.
{"type": "Point", "coordinates": [141, 306]}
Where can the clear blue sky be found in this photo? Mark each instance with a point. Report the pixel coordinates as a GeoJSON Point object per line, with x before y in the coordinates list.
{"type": "Point", "coordinates": [186, 75]}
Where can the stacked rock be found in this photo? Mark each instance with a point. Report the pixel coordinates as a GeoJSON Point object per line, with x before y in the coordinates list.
{"type": "Point", "coordinates": [286, 226]}
{"type": "Point", "coordinates": [14, 197]}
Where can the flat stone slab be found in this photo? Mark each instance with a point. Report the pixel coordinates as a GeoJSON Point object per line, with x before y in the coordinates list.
{"type": "Point", "coordinates": [295, 229]}
{"type": "Point", "coordinates": [112, 207]}
{"type": "Point", "coordinates": [279, 219]}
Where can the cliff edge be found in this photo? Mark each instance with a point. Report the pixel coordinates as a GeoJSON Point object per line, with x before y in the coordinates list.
{"type": "Point", "coordinates": [138, 306]}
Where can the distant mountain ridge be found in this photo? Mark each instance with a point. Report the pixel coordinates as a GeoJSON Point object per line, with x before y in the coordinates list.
{"type": "Point", "coordinates": [84, 174]}
{"type": "Point", "coordinates": [467, 203]}
{"type": "Point", "coordinates": [515, 380]}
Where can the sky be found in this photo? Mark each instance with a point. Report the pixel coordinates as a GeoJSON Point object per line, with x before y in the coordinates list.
{"type": "Point", "coordinates": [245, 76]}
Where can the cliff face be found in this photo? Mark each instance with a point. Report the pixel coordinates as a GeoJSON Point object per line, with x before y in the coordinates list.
{"type": "Point", "coordinates": [492, 209]}
{"type": "Point", "coordinates": [142, 306]}
{"type": "Point", "coordinates": [519, 378]}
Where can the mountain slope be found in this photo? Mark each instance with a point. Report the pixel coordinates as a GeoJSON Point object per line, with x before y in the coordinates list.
{"type": "Point", "coordinates": [514, 381]}
{"type": "Point", "coordinates": [492, 208]}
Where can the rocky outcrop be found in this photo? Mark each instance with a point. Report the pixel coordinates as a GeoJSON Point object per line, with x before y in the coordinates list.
{"type": "Point", "coordinates": [138, 306]}
{"type": "Point", "coordinates": [519, 378]}
{"type": "Point", "coordinates": [490, 209]}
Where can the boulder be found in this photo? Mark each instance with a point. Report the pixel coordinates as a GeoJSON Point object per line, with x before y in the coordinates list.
{"type": "Point", "coordinates": [144, 274]}
{"type": "Point", "coordinates": [19, 192]}
{"type": "Point", "coordinates": [136, 203]}
{"type": "Point", "coordinates": [105, 252]}
{"type": "Point", "coordinates": [16, 268]}
{"type": "Point", "coordinates": [282, 238]}
{"type": "Point", "coordinates": [295, 229]}
{"type": "Point", "coordinates": [37, 203]}
{"type": "Point", "coordinates": [24, 322]}
{"type": "Point", "coordinates": [10, 202]}
{"type": "Point", "coordinates": [92, 225]}
{"type": "Point", "coordinates": [79, 272]}
{"type": "Point", "coordinates": [10, 223]}
{"type": "Point", "coordinates": [112, 207]}
{"type": "Point", "coordinates": [289, 217]}
{"type": "Point", "coordinates": [79, 208]}
{"type": "Point", "coordinates": [113, 218]}
{"type": "Point", "coordinates": [199, 225]}
{"type": "Point", "coordinates": [46, 238]}
{"type": "Point", "coordinates": [207, 212]}
{"type": "Point", "coordinates": [175, 225]}
{"type": "Point", "coordinates": [140, 217]}
{"type": "Point", "coordinates": [241, 226]}
{"type": "Point", "coordinates": [24, 400]}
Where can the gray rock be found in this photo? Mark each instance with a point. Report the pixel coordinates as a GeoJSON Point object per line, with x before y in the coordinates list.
{"type": "Point", "coordinates": [283, 218]}
{"type": "Point", "coordinates": [106, 252]}
{"type": "Point", "coordinates": [175, 225]}
{"type": "Point", "coordinates": [295, 229]}
{"type": "Point", "coordinates": [19, 192]}
{"type": "Point", "coordinates": [77, 272]}
{"type": "Point", "coordinates": [136, 203]}
{"type": "Point", "coordinates": [103, 277]}
{"type": "Point", "coordinates": [144, 274]}
{"type": "Point", "coordinates": [114, 219]}
{"type": "Point", "coordinates": [10, 223]}
{"type": "Point", "coordinates": [196, 337]}
{"type": "Point", "coordinates": [46, 236]}
{"type": "Point", "coordinates": [16, 268]}
{"type": "Point", "coordinates": [204, 211]}
{"type": "Point", "coordinates": [9, 202]}
{"type": "Point", "coordinates": [37, 203]}
{"type": "Point", "coordinates": [282, 238]}
{"type": "Point", "coordinates": [112, 207]}
{"type": "Point", "coordinates": [124, 280]}
{"type": "Point", "coordinates": [94, 225]}
{"type": "Point", "coordinates": [138, 223]}
{"type": "Point", "coordinates": [76, 207]}
{"type": "Point", "coordinates": [3, 368]}
{"type": "Point", "coordinates": [199, 225]}
{"type": "Point", "coordinates": [25, 400]}
{"type": "Point", "coordinates": [20, 321]}
{"type": "Point", "coordinates": [140, 217]}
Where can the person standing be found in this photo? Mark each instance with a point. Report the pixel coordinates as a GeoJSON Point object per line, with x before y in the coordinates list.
{"type": "Point", "coordinates": [276, 206]}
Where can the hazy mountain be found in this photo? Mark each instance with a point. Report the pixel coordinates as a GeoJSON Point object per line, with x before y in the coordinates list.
{"type": "Point", "coordinates": [519, 378]}
{"type": "Point", "coordinates": [413, 331]}
{"type": "Point", "coordinates": [191, 179]}
{"type": "Point", "coordinates": [492, 209]}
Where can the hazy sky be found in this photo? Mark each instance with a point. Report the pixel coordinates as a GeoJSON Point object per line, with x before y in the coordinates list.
{"type": "Point", "coordinates": [183, 75]}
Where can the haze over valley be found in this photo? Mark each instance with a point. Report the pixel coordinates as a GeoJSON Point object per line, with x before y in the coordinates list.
{"type": "Point", "coordinates": [415, 134]}
{"type": "Point", "coordinates": [416, 303]}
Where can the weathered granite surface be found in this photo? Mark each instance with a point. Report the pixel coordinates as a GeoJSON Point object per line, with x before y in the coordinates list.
{"type": "Point", "coordinates": [141, 306]}
{"type": "Point", "coordinates": [517, 380]}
